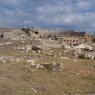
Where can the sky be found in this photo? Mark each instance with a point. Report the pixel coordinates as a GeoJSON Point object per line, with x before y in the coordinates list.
{"type": "Point", "coordinates": [52, 14]}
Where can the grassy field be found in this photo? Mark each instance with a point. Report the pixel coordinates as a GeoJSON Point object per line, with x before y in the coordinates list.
{"type": "Point", "coordinates": [77, 77]}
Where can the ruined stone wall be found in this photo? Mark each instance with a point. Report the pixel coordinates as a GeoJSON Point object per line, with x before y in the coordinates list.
{"type": "Point", "coordinates": [75, 37]}
{"type": "Point", "coordinates": [88, 37]}
{"type": "Point", "coordinates": [18, 34]}
{"type": "Point", "coordinates": [15, 34]}
{"type": "Point", "coordinates": [72, 39]}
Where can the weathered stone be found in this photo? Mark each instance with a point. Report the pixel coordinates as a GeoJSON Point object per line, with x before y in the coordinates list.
{"type": "Point", "coordinates": [51, 66]}
{"type": "Point", "coordinates": [36, 49]}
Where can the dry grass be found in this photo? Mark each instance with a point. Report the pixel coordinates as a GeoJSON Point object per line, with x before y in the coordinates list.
{"type": "Point", "coordinates": [78, 76]}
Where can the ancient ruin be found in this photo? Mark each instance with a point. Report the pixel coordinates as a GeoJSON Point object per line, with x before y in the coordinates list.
{"type": "Point", "coordinates": [41, 59]}
{"type": "Point", "coordinates": [28, 40]}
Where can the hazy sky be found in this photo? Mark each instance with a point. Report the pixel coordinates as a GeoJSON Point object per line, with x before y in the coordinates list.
{"type": "Point", "coordinates": [68, 14]}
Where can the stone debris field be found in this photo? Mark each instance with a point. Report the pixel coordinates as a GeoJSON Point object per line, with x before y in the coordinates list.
{"type": "Point", "coordinates": [46, 62]}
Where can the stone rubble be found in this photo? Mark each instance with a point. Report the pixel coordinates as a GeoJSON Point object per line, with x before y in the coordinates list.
{"type": "Point", "coordinates": [32, 40]}
{"type": "Point", "coordinates": [49, 66]}
{"type": "Point", "coordinates": [80, 50]}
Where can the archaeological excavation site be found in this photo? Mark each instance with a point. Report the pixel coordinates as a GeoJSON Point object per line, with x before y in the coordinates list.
{"type": "Point", "coordinates": [46, 62]}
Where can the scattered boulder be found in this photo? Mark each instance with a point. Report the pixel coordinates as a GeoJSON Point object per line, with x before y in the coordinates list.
{"type": "Point", "coordinates": [24, 48]}
{"type": "Point", "coordinates": [46, 66]}
{"type": "Point", "coordinates": [36, 49]}
{"type": "Point", "coordinates": [51, 66]}
{"type": "Point", "coordinates": [83, 47]}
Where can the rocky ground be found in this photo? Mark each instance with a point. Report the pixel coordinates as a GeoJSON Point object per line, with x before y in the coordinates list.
{"type": "Point", "coordinates": [21, 74]}
{"type": "Point", "coordinates": [43, 66]}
